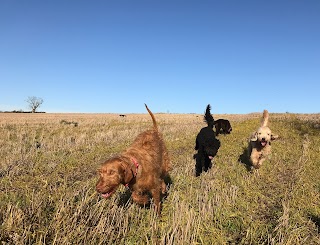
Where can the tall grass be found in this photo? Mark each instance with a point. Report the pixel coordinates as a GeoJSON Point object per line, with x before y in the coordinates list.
{"type": "Point", "coordinates": [48, 176]}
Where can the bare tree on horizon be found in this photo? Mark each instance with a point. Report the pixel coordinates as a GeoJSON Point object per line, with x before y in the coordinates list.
{"type": "Point", "coordinates": [34, 103]}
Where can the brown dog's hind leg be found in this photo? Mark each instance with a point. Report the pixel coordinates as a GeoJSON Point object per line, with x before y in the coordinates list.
{"type": "Point", "coordinates": [163, 187]}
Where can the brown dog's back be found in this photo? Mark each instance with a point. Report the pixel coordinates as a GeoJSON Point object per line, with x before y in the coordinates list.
{"type": "Point", "coordinates": [149, 148]}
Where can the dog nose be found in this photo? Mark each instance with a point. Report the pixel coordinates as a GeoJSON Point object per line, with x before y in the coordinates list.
{"type": "Point", "coordinates": [263, 139]}
{"type": "Point", "coordinates": [99, 187]}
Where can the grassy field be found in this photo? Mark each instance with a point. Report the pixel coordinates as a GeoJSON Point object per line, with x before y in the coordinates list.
{"type": "Point", "coordinates": [48, 168]}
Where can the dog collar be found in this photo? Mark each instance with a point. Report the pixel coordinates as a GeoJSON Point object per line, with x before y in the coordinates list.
{"type": "Point", "coordinates": [136, 164]}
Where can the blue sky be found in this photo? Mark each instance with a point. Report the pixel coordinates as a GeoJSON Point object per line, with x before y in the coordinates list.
{"type": "Point", "coordinates": [175, 55]}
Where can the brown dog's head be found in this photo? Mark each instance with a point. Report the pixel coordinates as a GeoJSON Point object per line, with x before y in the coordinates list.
{"type": "Point", "coordinates": [112, 173]}
{"type": "Point", "coordinates": [263, 136]}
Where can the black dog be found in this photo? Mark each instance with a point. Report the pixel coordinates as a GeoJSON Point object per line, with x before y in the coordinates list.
{"type": "Point", "coordinates": [224, 125]}
{"type": "Point", "coordinates": [206, 144]}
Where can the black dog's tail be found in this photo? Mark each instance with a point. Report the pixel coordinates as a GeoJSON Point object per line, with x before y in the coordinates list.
{"type": "Point", "coordinates": [208, 117]}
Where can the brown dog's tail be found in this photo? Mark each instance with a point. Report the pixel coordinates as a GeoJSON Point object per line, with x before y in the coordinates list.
{"type": "Point", "coordinates": [265, 118]}
{"type": "Point", "coordinates": [153, 118]}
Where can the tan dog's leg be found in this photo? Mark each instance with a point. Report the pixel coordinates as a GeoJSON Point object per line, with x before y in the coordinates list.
{"type": "Point", "coordinates": [256, 164]}
{"type": "Point", "coordinates": [255, 159]}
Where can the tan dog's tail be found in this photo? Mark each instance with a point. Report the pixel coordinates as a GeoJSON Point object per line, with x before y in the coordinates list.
{"type": "Point", "coordinates": [265, 118]}
{"type": "Point", "coordinates": [153, 118]}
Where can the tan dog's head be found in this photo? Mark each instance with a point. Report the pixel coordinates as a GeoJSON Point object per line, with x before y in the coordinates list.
{"type": "Point", "coordinates": [112, 173]}
{"type": "Point", "coordinates": [263, 136]}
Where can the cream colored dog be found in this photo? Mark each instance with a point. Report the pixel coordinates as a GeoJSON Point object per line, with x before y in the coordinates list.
{"type": "Point", "coordinates": [260, 142]}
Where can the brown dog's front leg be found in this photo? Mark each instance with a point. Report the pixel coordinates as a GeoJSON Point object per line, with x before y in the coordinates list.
{"type": "Point", "coordinates": [140, 197]}
{"type": "Point", "coordinates": [156, 198]}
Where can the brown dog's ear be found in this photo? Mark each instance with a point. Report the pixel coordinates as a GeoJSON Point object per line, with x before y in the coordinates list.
{"type": "Point", "coordinates": [274, 136]}
{"type": "Point", "coordinates": [126, 173]}
{"type": "Point", "coordinates": [254, 137]}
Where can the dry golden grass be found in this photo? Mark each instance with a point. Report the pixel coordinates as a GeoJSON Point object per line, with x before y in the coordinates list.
{"type": "Point", "coordinates": [48, 176]}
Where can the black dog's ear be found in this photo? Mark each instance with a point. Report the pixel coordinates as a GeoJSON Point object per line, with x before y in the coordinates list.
{"type": "Point", "coordinates": [274, 136]}
{"type": "Point", "coordinates": [254, 136]}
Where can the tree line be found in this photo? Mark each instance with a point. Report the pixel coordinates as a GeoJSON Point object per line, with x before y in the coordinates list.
{"type": "Point", "coordinates": [33, 104]}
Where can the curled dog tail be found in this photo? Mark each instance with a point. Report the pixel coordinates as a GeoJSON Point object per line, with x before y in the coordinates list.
{"type": "Point", "coordinates": [265, 118]}
{"type": "Point", "coordinates": [153, 118]}
{"type": "Point", "coordinates": [208, 117]}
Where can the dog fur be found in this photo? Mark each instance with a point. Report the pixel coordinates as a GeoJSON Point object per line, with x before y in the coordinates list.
{"type": "Point", "coordinates": [206, 144]}
{"type": "Point", "coordinates": [260, 142]}
{"type": "Point", "coordinates": [142, 167]}
{"type": "Point", "coordinates": [224, 125]}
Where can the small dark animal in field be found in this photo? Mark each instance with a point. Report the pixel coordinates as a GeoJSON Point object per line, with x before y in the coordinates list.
{"type": "Point", "coordinates": [38, 145]}
{"type": "Point", "coordinates": [143, 168]}
{"type": "Point", "coordinates": [206, 144]}
{"type": "Point", "coordinates": [260, 142]}
{"type": "Point", "coordinates": [73, 140]}
{"type": "Point", "coordinates": [122, 115]}
{"type": "Point", "coordinates": [222, 125]}
{"type": "Point", "coordinates": [68, 123]}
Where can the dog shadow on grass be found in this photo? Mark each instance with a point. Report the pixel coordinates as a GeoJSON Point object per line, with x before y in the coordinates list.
{"type": "Point", "coordinates": [244, 159]}
{"type": "Point", "coordinates": [316, 220]}
{"type": "Point", "coordinates": [125, 197]}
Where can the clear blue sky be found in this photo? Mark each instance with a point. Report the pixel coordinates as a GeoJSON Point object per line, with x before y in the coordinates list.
{"type": "Point", "coordinates": [175, 55]}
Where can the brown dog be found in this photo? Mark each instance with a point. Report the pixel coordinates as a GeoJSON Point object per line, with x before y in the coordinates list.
{"type": "Point", "coordinates": [142, 167]}
{"type": "Point", "coordinates": [260, 142]}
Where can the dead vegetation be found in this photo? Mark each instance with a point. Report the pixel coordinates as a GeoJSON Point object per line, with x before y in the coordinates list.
{"type": "Point", "coordinates": [48, 175]}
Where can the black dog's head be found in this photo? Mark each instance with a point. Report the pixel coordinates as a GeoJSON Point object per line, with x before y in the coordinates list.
{"type": "Point", "coordinates": [224, 125]}
{"type": "Point", "coordinates": [211, 148]}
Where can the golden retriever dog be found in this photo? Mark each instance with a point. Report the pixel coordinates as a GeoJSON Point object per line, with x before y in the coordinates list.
{"type": "Point", "coordinates": [142, 168]}
{"type": "Point", "coordinates": [260, 142]}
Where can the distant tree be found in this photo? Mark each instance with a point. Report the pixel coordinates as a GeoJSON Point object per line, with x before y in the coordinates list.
{"type": "Point", "coordinates": [34, 103]}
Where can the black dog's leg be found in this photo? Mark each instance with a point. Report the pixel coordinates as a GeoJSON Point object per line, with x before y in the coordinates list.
{"type": "Point", "coordinates": [207, 164]}
{"type": "Point", "coordinates": [197, 145]}
{"type": "Point", "coordinates": [199, 163]}
{"type": "Point", "coordinates": [224, 130]}
{"type": "Point", "coordinates": [217, 129]}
